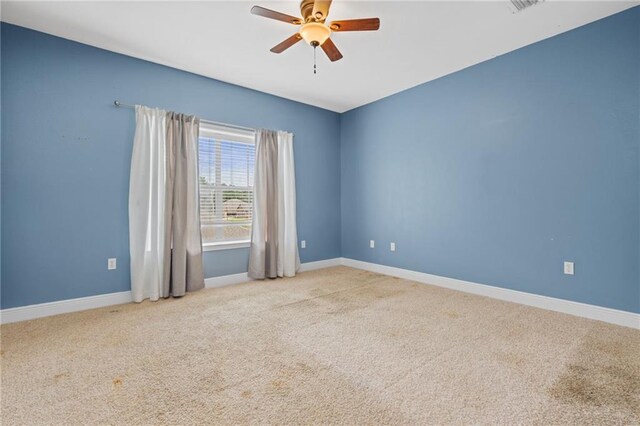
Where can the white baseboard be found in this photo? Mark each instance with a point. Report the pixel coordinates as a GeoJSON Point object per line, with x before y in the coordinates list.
{"type": "Point", "coordinates": [23, 313]}
{"type": "Point", "coordinates": [226, 280]}
{"type": "Point", "coordinates": [613, 316]}
{"type": "Point", "coordinates": [320, 264]}
{"type": "Point", "coordinates": [243, 277]}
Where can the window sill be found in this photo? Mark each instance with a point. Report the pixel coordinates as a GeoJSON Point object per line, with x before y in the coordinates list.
{"type": "Point", "coordinates": [226, 245]}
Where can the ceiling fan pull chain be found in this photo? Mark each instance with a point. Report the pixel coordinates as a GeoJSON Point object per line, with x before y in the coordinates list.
{"type": "Point", "coordinates": [314, 58]}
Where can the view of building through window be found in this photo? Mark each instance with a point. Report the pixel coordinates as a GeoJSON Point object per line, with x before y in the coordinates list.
{"type": "Point", "coordinates": [226, 162]}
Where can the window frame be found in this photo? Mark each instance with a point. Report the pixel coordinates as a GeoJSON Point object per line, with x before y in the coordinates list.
{"type": "Point", "coordinates": [218, 131]}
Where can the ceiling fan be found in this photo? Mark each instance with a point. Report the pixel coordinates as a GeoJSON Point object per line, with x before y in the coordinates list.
{"type": "Point", "coordinates": [313, 28]}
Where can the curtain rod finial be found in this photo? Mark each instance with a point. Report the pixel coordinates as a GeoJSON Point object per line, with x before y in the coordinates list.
{"type": "Point", "coordinates": [116, 103]}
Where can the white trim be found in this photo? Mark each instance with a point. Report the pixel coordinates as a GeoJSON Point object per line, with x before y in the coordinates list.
{"type": "Point", "coordinates": [613, 316]}
{"type": "Point", "coordinates": [226, 245]}
{"type": "Point", "coordinates": [23, 313]}
{"type": "Point", "coordinates": [320, 264]}
{"type": "Point", "coordinates": [226, 280]}
{"type": "Point", "coordinates": [227, 132]}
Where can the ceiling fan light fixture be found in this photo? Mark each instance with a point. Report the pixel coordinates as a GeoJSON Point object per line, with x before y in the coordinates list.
{"type": "Point", "coordinates": [315, 32]}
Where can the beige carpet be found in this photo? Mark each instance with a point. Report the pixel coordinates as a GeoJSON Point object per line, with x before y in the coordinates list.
{"type": "Point", "coordinates": [337, 346]}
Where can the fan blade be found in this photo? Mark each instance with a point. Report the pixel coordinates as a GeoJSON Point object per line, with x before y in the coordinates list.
{"type": "Point", "coordinates": [367, 24]}
{"type": "Point", "coordinates": [321, 9]}
{"type": "Point", "coordinates": [267, 13]}
{"type": "Point", "coordinates": [287, 43]}
{"type": "Point", "coordinates": [331, 50]}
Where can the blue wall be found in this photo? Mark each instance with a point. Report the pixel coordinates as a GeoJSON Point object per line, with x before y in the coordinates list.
{"type": "Point", "coordinates": [66, 154]}
{"type": "Point", "coordinates": [498, 173]}
{"type": "Point", "coordinates": [495, 174]}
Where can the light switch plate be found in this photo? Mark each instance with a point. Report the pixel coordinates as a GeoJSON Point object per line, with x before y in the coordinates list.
{"type": "Point", "coordinates": [372, 244]}
{"type": "Point", "coordinates": [392, 246]}
{"type": "Point", "coordinates": [568, 268]}
{"type": "Point", "coordinates": [111, 263]}
{"type": "Point", "coordinates": [303, 244]}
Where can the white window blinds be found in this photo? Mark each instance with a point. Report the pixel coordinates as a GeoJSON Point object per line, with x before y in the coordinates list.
{"type": "Point", "coordinates": [226, 157]}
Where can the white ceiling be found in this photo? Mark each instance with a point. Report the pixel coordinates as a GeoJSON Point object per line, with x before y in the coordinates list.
{"type": "Point", "coordinates": [418, 41]}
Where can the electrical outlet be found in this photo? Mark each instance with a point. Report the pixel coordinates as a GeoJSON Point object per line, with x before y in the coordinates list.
{"type": "Point", "coordinates": [568, 268]}
{"type": "Point", "coordinates": [303, 244]}
{"type": "Point", "coordinates": [372, 244]}
{"type": "Point", "coordinates": [392, 247]}
{"type": "Point", "coordinates": [111, 263]}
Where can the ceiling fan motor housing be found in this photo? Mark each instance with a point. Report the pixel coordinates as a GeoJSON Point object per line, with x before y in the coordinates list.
{"type": "Point", "coordinates": [306, 9]}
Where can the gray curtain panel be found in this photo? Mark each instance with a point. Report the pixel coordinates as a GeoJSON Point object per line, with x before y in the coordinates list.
{"type": "Point", "coordinates": [274, 249]}
{"type": "Point", "coordinates": [184, 273]}
{"type": "Point", "coordinates": [264, 252]}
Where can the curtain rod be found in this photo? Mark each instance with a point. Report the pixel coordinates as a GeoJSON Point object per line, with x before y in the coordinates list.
{"type": "Point", "coordinates": [119, 104]}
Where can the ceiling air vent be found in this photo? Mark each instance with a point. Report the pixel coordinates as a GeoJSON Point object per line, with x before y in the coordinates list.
{"type": "Point", "coordinates": [520, 5]}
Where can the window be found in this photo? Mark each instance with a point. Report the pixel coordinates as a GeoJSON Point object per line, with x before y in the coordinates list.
{"type": "Point", "coordinates": [226, 157]}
